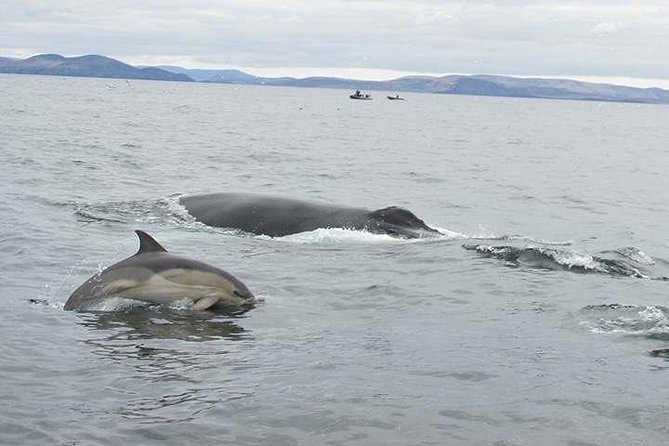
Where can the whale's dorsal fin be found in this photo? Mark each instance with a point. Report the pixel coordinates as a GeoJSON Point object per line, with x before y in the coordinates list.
{"type": "Point", "coordinates": [147, 243]}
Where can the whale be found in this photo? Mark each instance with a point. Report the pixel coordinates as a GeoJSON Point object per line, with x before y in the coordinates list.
{"type": "Point", "coordinates": [278, 216]}
{"type": "Point", "coordinates": [155, 276]}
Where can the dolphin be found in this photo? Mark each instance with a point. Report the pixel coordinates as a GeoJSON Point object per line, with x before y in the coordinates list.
{"type": "Point", "coordinates": [156, 276]}
{"type": "Point", "coordinates": [278, 216]}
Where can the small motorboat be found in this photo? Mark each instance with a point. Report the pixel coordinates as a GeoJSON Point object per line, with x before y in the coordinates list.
{"type": "Point", "coordinates": [395, 98]}
{"type": "Point", "coordinates": [361, 96]}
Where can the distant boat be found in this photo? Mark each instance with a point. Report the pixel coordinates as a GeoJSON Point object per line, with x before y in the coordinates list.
{"type": "Point", "coordinates": [395, 98]}
{"type": "Point", "coordinates": [361, 96]}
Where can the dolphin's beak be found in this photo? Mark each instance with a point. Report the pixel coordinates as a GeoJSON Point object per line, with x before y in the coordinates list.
{"type": "Point", "coordinates": [246, 296]}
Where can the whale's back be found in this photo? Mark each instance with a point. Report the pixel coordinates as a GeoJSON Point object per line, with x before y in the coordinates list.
{"type": "Point", "coordinates": [273, 216]}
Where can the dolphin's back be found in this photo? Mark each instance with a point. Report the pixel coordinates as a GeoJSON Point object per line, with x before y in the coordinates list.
{"type": "Point", "coordinates": [154, 275]}
{"type": "Point", "coordinates": [140, 269]}
{"type": "Point", "coordinates": [273, 216]}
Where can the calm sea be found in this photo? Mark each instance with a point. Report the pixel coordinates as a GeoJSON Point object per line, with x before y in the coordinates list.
{"type": "Point", "coordinates": [539, 318]}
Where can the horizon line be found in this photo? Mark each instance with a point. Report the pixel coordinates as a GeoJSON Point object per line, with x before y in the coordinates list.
{"type": "Point", "coordinates": [357, 73]}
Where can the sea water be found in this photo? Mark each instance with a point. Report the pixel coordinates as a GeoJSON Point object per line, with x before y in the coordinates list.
{"type": "Point", "coordinates": [539, 318]}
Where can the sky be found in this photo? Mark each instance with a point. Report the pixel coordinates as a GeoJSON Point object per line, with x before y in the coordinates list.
{"type": "Point", "coordinates": [598, 40]}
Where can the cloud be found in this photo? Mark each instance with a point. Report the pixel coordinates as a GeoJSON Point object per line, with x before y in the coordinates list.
{"type": "Point", "coordinates": [595, 38]}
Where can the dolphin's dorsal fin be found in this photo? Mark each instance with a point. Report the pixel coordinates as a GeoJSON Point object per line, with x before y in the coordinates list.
{"type": "Point", "coordinates": [147, 243]}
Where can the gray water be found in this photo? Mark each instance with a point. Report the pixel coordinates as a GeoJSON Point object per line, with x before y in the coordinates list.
{"type": "Point", "coordinates": [548, 329]}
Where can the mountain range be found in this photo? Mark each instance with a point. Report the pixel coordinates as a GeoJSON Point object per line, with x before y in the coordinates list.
{"type": "Point", "coordinates": [85, 66]}
{"type": "Point", "coordinates": [480, 85]}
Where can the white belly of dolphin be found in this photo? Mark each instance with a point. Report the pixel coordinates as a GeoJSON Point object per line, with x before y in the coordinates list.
{"type": "Point", "coordinates": [177, 284]}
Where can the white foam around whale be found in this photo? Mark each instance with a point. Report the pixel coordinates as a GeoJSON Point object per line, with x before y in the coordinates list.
{"type": "Point", "coordinates": [341, 235]}
{"type": "Point", "coordinates": [335, 235]}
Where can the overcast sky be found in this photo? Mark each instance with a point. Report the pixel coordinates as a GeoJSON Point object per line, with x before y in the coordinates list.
{"type": "Point", "coordinates": [370, 38]}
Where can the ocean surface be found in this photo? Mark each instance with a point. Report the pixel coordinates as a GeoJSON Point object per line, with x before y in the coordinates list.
{"type": "Point", "coordinates": [541, 316]}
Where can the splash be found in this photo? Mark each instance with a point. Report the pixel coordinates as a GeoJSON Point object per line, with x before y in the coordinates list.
{"type": "Point", "coordinates": [116, 303]}
{"type": "Point", "coordinates": [334, 235]}
{"type": "Point", "coordinates": [651, 321]}
{"type": "Point", "coordinates": [562, 259]}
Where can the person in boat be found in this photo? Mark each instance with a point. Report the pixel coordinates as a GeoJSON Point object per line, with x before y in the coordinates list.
{"type": "Point", "coordinates": [357, 93]}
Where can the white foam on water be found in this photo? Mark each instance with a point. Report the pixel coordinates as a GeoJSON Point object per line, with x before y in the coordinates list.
{"type": "Point", "coordinates": [335, 235]}
{"type": "Point", "coordinates": [536, 240]}
{"type": "Point", "coordinates": [175, 206]}
{"type": "Point", "coordinates": [636, 255]}
{"type": "Point", "coordinates": [654, 315]}
{"type": "Point", "coordinates": [573, 259]}
{"type": "Point", "coordinates": [451, 235]}
{"type": "Point", "coordinates": [181, 304]}
{"type": "Point", "coordinates": [341, 235]}
{"type": "Point", "coordinates": [642, 320]}
{"type": "Point", "coordinates": [485, 234]}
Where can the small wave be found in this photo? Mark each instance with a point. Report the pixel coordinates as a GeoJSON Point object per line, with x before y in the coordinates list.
{"type": "Point", "coordinates": [334, 235]}
{"type": "Point", "coordinates": [339, 235]}
{"type": "Point", "coordinates": [660, 353]}
{"type": "Point", "coordinates": [116, 304]}
{"type": "Point", "coordinates": [488, 235]}
{"type": "Point", "coordinates": [527, 238]}
{"type": "Point", "coordinates": [46, 303]}
{"type": "Point", "coordinates": [343, 235]}
{"type": "Point", "coordinates": [164, 322]}
{"type": "Point", "coordinates": [558, 259]}
{"type": "Point", "coordinates": [634, 254]}
{"type": "Point", "coordinates": [184, 108]}
{"type": "Point", "coordinates": [449, 234]}
{"type": "Point", "coordinates": [143, 211]}
{"type": "Point", "coordinates": [649, 320]}
{"type": "Point", "coordinates": [88, 217]}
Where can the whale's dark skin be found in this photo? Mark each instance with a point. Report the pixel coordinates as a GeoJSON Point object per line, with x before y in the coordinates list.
{"type": "Point", "coordinates": [277, 216]}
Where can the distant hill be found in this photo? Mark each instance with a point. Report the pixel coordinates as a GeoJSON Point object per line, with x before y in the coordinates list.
{"type": "Point", "coordinates": [486, 85]}
{"type": "Point", "coordinates": [219, 76]}
{"type": "Point", "coordinates": [85, 66]}
{"type": "Point", "coordinates": [480, 85]}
